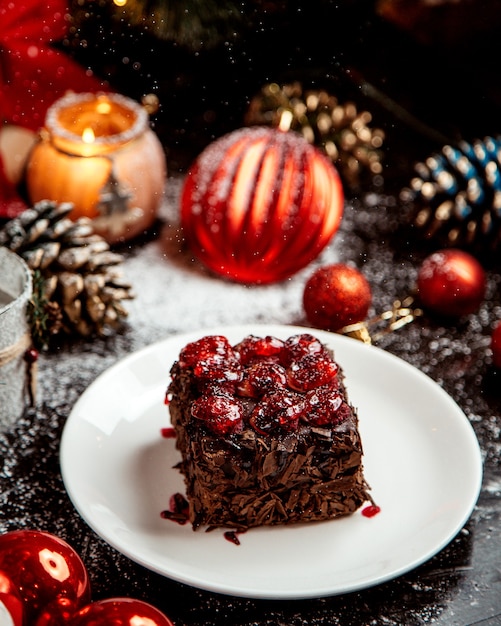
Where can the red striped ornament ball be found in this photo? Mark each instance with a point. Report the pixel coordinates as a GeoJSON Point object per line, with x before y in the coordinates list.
{"type": "Point", "coordinates": [259, 204]}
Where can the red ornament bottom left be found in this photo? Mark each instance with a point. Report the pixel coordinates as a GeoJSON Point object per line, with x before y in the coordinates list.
{"type": "Point", "coordinates": [43, 582]}
{"type": "Point", "coordinates": [43, 569]}
{"type": "Point", "coordinates": [11, 604]}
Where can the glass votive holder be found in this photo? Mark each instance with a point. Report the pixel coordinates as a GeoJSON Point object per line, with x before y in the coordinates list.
{"type": "Point", "coordinates": [98, 152]}
{"type": "Point", "coordinates": [15, 336]}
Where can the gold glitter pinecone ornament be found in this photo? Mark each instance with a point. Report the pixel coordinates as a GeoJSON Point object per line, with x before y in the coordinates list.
{"type": "Point", "coordinates": [340, 130]}
{"type": "Point", "coordinates": [78, 285]}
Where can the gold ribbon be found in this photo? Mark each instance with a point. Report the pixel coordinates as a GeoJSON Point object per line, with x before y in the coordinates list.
{"type": "Point", "coordinates": [10, 353]}
{"type": "Point", "coordinates": [400, 314]}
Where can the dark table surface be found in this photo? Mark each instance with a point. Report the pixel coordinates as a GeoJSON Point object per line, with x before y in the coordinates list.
{"type": "Point", "coordinates": [460, 585]}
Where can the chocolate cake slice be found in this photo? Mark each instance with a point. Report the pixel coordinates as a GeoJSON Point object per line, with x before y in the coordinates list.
{"type": "Point", "coordinates": [266, 432]}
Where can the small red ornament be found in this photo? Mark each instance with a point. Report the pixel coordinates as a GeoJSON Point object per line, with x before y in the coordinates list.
{"type": "Point", "coordinates": [11, 604]}
{"type": "Point", "coordinates": [336, 296]}
{"type": "Point", "coordinates": [496, 344]}
{"type": "Point", "coordinates": [44, 569]}
{"type": "Point", "coordinates": [120, 612]}
{"type": "Point", "coordinates": [451, 282]}
{"type": "Point", "coordinates": [259, 204]}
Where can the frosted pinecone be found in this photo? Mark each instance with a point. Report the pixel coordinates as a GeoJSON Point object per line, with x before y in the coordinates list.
{"type": "Point", "coordinates": [78, 283]}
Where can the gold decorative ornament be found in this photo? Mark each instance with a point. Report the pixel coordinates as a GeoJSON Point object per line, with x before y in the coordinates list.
{"type": "Point", "coordinates": [374, 329]}
{"type": "Point", "coordinates": [339, 129]}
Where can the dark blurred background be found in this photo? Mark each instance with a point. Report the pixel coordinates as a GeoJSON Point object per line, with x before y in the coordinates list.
{"type": "Point", "coordinates": [427, 70]}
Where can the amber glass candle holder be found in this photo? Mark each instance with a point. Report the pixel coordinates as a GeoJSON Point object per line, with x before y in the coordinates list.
{"type": "Point", "coordinates": [98, 152]}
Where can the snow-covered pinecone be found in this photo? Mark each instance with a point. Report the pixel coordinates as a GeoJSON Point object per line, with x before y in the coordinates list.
{"type": "Point", "coordinates": [78, 283]}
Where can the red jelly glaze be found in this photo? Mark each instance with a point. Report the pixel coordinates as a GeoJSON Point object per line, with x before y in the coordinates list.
{"type": "Point", "coordinates": [265, 368]}
{"type": "Point", "coordinates": [260, 378]}
{"type": "Point", "coordinates": [232, 536]}
{"type": "Point", "coordinates": [252, 348]}
{"type": "Point", "coordinates": [298, 346]}
{"type": "Point", "coordinates": [311, 371]}
{"type": "Point", "coordinates": [168, 433]}
{"type": "Point", "coordinates": [222, 413]}
{"type": "Point", "coordinates": [178, 510]}
{"type": "Point", "coordinates": [277, 411]}
{"type": "Point", "coordinates": [371, 510]}
{"type": "Point", "coordinates": [178, 504]}
{"type": "Point", "coordinates": [202, 349]}
{"type": "Point", "coordinates": [325, 407]}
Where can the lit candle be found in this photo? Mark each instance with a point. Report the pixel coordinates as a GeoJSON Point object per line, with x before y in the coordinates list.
{"type": "Point", "coordinates": [98, 152]}
{"type": "Point", "coordinates": [88, 136]}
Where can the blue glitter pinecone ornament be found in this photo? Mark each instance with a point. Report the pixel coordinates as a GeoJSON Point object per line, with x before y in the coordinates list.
{"type": "Point", "coordinates": [457, 195]}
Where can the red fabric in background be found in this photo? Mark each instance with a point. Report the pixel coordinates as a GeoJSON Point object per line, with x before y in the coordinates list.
{"type": "Point", "coordinates": [33, 74]}
{"type": "Point", "coordinates": [11, 203]}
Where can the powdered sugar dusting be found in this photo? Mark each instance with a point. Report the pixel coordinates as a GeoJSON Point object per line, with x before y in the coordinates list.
{"type": "Point", "coordinates": [174, 294]}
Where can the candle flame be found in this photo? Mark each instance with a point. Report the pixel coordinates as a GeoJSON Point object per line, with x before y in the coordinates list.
{"type": "Point", "coordinates": [88, 135]}
{"type": "Point", "coordinates": [285, 120]}
{"type": "Point", "coordinates": [120, 3]}
{"type": "Point", "coordinates": [103, 107]}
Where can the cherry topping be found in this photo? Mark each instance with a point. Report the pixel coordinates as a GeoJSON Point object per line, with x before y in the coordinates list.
{"type": "Point", "coordinates": [311, 371]}
{"type": "Point", "coordinates": [260, 378]}
{"type": "Point", "coordinates": [277, 411]}
{"type": "Point", "coordinates": [291, 380]}
{"type": "Point", "coordinates": [299, 345]}
{"type": "Point", "coordinates": [212, 359]}
{"type": "Point", "coordinates": [196, 351]}
{"type": "Point", "coordinates": [255, 347]}
{"type": "Point", "coordinates": [221, 413]}
{"type": "Point", "coordinates": [325, 407]}
{"type": "Point", "coordinates": [218, 368]}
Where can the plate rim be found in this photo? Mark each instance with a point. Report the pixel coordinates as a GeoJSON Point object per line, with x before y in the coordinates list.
{"type": "Point", "coordinates": [247, 592]}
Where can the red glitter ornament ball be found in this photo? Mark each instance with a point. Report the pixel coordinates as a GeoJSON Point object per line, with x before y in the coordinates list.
{"type": "Point", "coordinates": [120, 612]}
{"type": "Point", "coordinates": [44, 569]}
{"type": "Point", "coordinates": [336, 296]}
{"type": "Point", "coordinates": [451, 282]}
{"type": "Point", "coordinates": [259, 204]}
{"type": "Point", "coordinates": [496, 344]}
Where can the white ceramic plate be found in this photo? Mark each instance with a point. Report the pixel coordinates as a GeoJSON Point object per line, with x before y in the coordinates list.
{"type": "Point", "coordinates": [422, 460]}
